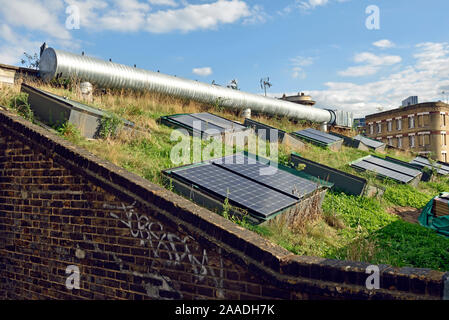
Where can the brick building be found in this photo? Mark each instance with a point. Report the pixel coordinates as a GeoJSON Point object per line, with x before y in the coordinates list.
{"type": "Point", "coordinates": [420, 128]}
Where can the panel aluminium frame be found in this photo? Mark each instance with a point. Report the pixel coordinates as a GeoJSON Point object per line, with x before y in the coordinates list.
{"type": "Point", "coordinates": [348, 183]}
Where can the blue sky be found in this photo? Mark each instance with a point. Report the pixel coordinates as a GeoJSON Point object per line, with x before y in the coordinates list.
{"type": "Point", "coordinates": [321, 47]}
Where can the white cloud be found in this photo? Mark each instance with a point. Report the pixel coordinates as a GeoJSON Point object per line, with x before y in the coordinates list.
{"type": "Point", "coordinates": [257, 15]}
{"type": "Point", "coordinates": [194, 17]}
{"type": "Point", "coordinates": [425, 77]}
{"type": "Point", "coordinates": [35, 16]}
{"type": "Point", "coordinates": [359, 71]}
{"type": "Point", "coordinates": [298, 63]}
{"type": "Point", "coordinates": [384, 44]}
{"type": "Point", "coordinates": [203, 72]}
{"type": "Point", "coordinates": [307, 5]}
{"type": "Point", "coordinates": [311, 4]}
{"type": "Point", "coordinates": [170, 3]}
{"type": "Point", "coordinates": [373, 63]}
{"type": "Point", "coordinates": [134, 15]}
{"type": "Point", "coordinates": [13, 45]}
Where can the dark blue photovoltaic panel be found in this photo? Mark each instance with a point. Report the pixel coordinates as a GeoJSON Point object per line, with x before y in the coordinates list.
{"type": "Point", "coordinates": [200, 125]}
{"type": "Point", "coordinates": [218, 121]}
{"type": "Point", "coordinates": [268, 175]}
{"type": "Point", "coordinates": [321, 137]}
{"type": "Point", "coordinates": [257, 198]}
{"type": "Point", "coordinates": [369, 142]}
{"type": "Point", "coordinates": [264, 128]}
{"type": "Point", "coordinates": [204, 123]}
{"type": "Point", "coordinates": [393, 166]}
{"type": "Point", "coordinates": [442, 169]}
{"type": "Point", "coordinates": [383, 172]}
{"type": "Point", "coordinates": [387, 169]}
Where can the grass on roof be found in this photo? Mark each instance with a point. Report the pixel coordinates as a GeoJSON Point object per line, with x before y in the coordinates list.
{"type": "Point", "coordinates": [353, 228]}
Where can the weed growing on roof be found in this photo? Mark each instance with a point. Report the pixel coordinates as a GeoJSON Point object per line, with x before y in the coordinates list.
{"type": "Point", "coordinates": [69, 131]}
{"type": "Point", "coordinates": [110, 124]}
{"type": "Point", "coordinates": [20, 104]}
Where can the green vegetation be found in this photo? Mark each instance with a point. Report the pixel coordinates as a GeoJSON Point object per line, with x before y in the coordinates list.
{"type": "Point", "coordinates": [354, 228]}
{"type": "Point", "coordinates": [70, 132]}
{"type": "Point", "coordinates": [110, 124]}
{"type": "Point", "coordinates": [20, 104]}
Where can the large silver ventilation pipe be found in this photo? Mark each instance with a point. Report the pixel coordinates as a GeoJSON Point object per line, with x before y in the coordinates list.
{"type": "Point", "coordinates": [106, 74]}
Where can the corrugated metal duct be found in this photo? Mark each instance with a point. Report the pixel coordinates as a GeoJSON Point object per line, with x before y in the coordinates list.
{"type": "Point", "coordinates": [106, 74]}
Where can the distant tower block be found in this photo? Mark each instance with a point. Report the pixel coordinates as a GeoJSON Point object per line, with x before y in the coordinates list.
{"type": "Point", "coordinates": [410, 101]}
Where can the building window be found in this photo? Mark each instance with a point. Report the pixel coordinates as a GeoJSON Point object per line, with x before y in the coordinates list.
{"type": "Point", "coordinates": [398, 124]}
{"type": "Point", "coordinates": [379, 127]}
{"type": "Point", "coordinates": [426, 120]}
{"type": "Point", "coordinates": [412, 141]}
{"type": "Point", "coordinates": [390, 141]}
{"type": "Point", "coordinates": [371, 129]}
{"type": "Point", "coordinates": [420, 121]}
{"type": "Point", "coordinates": [425, 139]}
{"type": "Point", "coordinates": [443, 120]}
{"type": "Point", "coordinates": [443, 139]}
{"type": "Point", "coordinates": [444, 156]}
{"type": "Point", "coordinates": [399, 142]}
{"type": "Point", "coordinates": [411, 122]}
{"type": "Point", "coordinates": [389, 126]}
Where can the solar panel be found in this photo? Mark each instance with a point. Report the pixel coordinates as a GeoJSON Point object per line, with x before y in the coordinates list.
{"type": "Point", "coordinates": [424, 162]}
{"type": "Point", "coordinates": [318, 136]}
{"type": "Point", "coordinates": [387, 169]}
{"type": "Point", "coordinates": [258, 126]}
{"type": "Point", "coordinates": [267, 175]}
{"type": "Point", "coordinates": [258, 199]}
{"type": "Point", "coordinates": [393, 166]}
{"type": "Point", "coordinates": [195, 123]}
{"type": "Point", "coordinates": [383, 171]}
{"type": "Point", "coordinates": [218, 121]}
{"type": "Point", "coordinates": [369, 142]}
{"type": "Point", "coordinates": [203, 121]}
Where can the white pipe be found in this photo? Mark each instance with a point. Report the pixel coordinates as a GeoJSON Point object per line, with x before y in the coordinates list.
{"type": "Point", "coordinates": [57, 63]}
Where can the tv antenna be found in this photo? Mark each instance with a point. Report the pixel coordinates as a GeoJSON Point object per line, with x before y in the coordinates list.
{"type": "Point", "coordinates": [445, 96]}
{"type": "Point", "coordinates": [264, 83]}
{"type": "Point", "coordinates": [233, 84]}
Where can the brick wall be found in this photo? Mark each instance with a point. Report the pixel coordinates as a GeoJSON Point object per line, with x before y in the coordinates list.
{"type": "Point", "coordinates": [61, 206]}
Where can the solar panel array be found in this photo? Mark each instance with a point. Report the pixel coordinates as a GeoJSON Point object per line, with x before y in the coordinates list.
{"type": "Point", "coordinates": [442, 168]}
{"type": "Point", "coordinates": [267, 175]}
{"type": "Point", "coordinates": [203, 123]}
{"type": "Point", "coordinates": [262, 127]}
{"type": "Point", "coordinates": [369, 142]}
{"type": "Point", "coordinates": [241, 179]}
{"type": "Point", "coordinates": [318, 137]}
{"type": "Point", "coordinates": [387, 169]}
